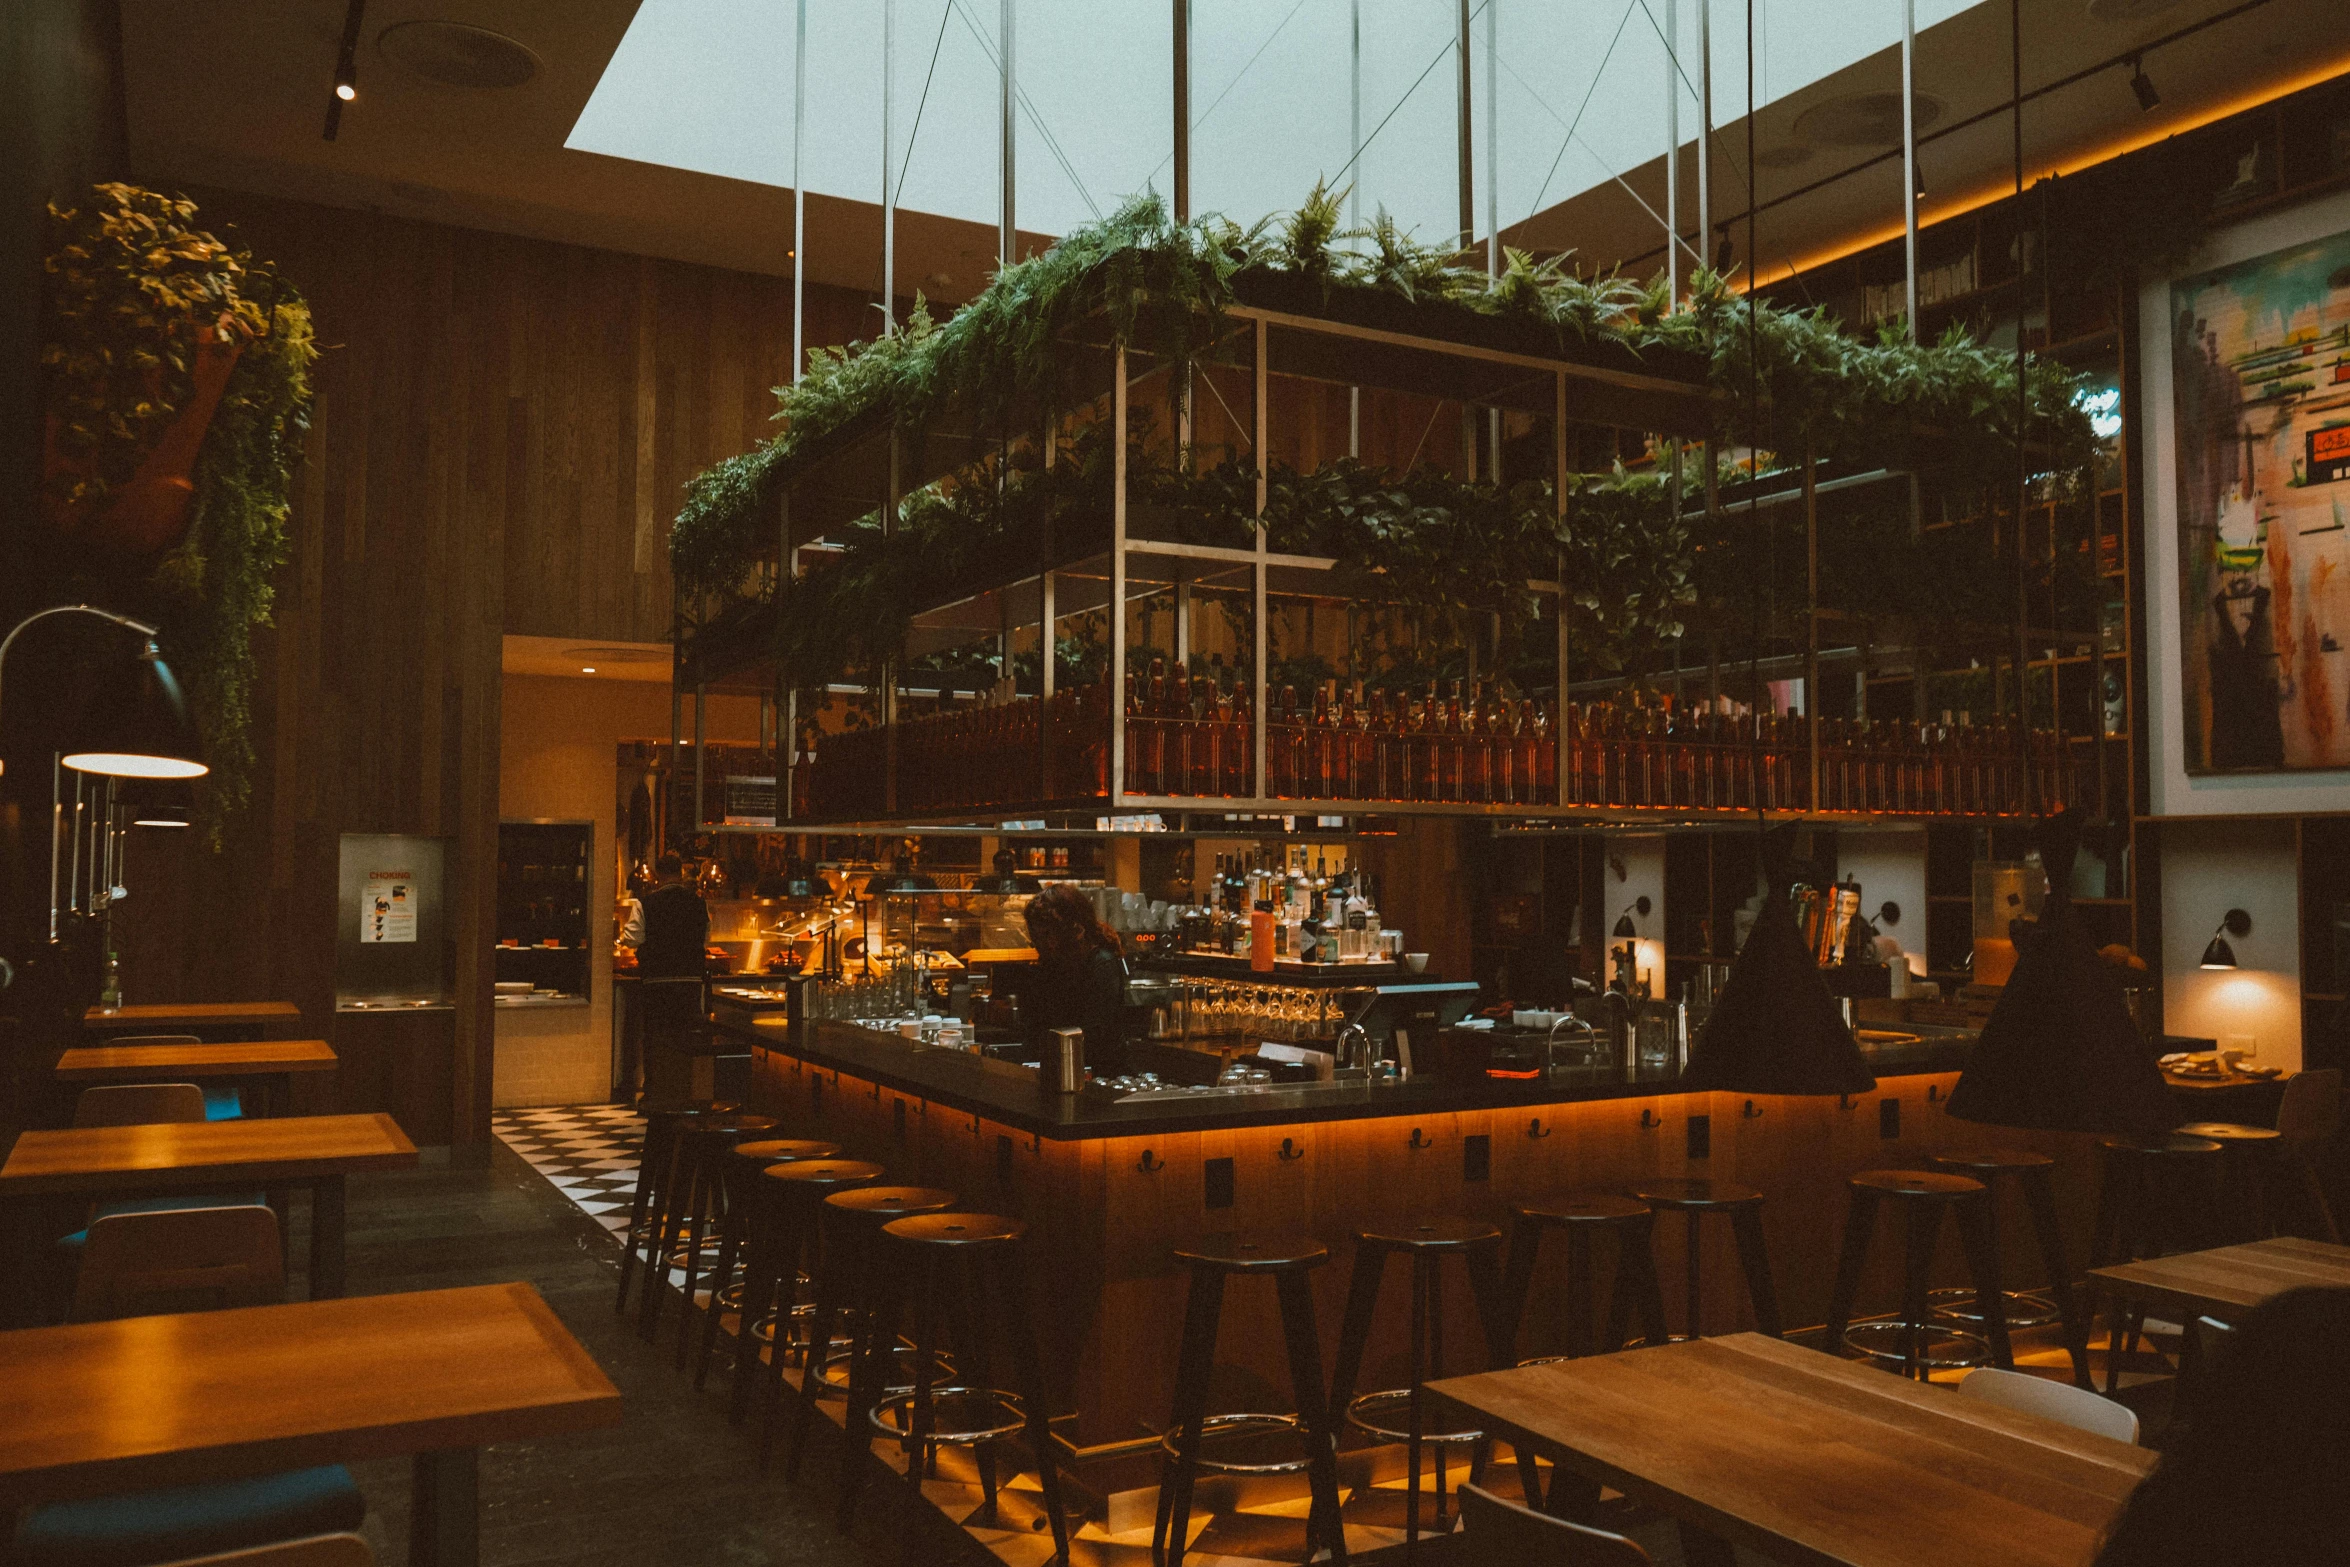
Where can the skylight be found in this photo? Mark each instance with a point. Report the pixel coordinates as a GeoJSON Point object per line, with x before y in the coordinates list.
{"type": "Point", "coordinates": [706, 85]}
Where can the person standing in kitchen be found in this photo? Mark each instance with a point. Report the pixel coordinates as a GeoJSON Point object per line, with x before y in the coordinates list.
{"type": "Point", "coordinates": [1079, 980]}
{"type": "Point", "coordinates": [669, 928]}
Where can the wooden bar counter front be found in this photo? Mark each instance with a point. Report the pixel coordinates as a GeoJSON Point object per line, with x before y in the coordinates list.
{"type": "Point", "coordinates": [1111, 1188]}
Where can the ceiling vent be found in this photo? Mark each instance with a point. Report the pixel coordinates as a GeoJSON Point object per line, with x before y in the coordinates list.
{"type": "Point", "coordinates": [457, 55]}
{"type": "Point", "coordinates": [1862, 119]}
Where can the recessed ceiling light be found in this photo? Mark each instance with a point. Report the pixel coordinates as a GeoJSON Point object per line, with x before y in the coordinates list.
{"type": "Point", "coordinates": [1862, 119]}
{"type": "Point", "coordinates": [457, 54]}
{"type": "Point", "coordinates": [591, 669]}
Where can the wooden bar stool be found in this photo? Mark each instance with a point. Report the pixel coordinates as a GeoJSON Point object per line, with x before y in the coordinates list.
{"type": "Point", "coordinates": [656, 1156]}
{"type": "Point", "coordinates": [849, 1231]}
{"type": "Point", "coordinates": [2061, 1301]}
{"type": "Point", "coordinates": [1743, 1204]}
{"type": "Point", "coordinates": [2157, 1195]}
{"type": "Point", "coordinates": [968, 1264]}
{"type": "Point", "coordinates": [2249, 1157]}
{"type": "Point", "coordinates": [1478, 1245]}
{"type": "Point", "coordinates": [1582, 1218]}
{"type": "Point", "coordinates": [1286, 1262]}
{"type": "Point", "coordinates": [699, 1146]}
{"type": "Point", "coordinates": [783, 1238]}
{"type": "Point", "coordinates": [1922, 1195]}
{"type": "Point", "coordinates": [742, 1164]}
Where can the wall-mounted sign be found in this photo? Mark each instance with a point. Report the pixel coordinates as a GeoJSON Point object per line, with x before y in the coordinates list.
{"type": "Point", "coordinates": [388, 910]}
{"type": "Point", "coordinates": [750, 801]}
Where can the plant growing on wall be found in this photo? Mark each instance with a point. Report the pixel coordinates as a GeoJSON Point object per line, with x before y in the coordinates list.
{"type": "Point", "coordinates": [178, 393]}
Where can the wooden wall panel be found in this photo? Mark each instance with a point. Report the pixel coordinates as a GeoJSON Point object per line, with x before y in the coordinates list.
{"type": "Point", "coordinates": [486, 406]}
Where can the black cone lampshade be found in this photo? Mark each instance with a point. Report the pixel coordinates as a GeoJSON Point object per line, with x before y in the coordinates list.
{"type": "Point", "coordinates": [1775, 1028]}
{"type": "Point", "coordinates": [2059, 1052]}
{"type": "Point", "coordinates": [139, 725]}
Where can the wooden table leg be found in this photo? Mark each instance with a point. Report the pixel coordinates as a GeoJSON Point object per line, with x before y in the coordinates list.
{"type": "Point", "coordinates": [326, 1238]}
{"type": "Point", "coordinates": [444, 1510]}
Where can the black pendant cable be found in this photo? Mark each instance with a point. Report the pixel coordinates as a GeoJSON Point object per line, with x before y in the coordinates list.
{"type": "Point", "coordinates": [2034, 805]}
{"type": "Point", "coordinates": [346, 83]}
{"type": "Point", "coordinates": [1768, 602]}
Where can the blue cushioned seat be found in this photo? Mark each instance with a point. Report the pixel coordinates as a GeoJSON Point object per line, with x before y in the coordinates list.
{"type": "Point", "coordinates": [222, 1103]}
{"type": "Point", "coordinates": [188, 1520]}
{"type": "Point", "coordinates": [80, 1238]}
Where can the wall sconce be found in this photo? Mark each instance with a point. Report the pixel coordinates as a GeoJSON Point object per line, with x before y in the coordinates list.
{"type": "Point", "coordinates": [1639, 905]}
{"type": "Point", "coordinates": [2219, 955]}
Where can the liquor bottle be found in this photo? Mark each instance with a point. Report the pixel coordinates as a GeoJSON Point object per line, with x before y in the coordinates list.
{"type": "Point", "coordinates": [1320, 740]}
{"type": "Point", "coordinates": [1240, 742]}
{"type": "Point", "coordinates": [1420, 746]}
{"type": "Point", "coordinates": [1181, 729]}
{"type": "Point", "coordinates": [1359, 760]}
{"type": "Point", "coordinates": [1456, 746]}
{"type": "Point", "coordinates": [1502, 746]}
{"type": "Point", "coordinates": [1485, 736]}
{"type": "Point", "coordinates": [1542, 743]}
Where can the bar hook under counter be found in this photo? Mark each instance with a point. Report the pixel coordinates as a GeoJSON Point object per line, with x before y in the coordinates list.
{"type": "Point", "coordinates": [1150, 1163]}
{"type": "Point", "coordinates": [1750, 1113]}
{"type": "Point", "coordinates": [1419, 1140]}
{"type": "Point", "coordinates": [1536, 1131]}
{"type": "Point", "coordinates": [1649, 1118]}
{"type": "Point", "coordinates": [1288, 1151]}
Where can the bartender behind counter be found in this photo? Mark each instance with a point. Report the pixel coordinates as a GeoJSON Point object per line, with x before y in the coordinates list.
{"type": "Point", "coordinates": [1079, 980]}
{"type": "Point", "coordinates": [669, 928]}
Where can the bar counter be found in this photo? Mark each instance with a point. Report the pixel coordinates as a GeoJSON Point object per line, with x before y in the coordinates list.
{"type": "Point", "coordinates": [1015, 1095]}
{"type": "Point", "coordinates": [1110, 1188]}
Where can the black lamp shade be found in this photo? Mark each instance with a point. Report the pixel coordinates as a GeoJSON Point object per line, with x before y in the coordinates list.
{"type": "Point", "coordinates": [1624, 926]}
{"type": "Point", "coordinates": [2059, 1052]}
{"type": "Point", "coordinates": [1776, 1029]}
{"type": "Point", "coordinates": [2219, 954]}
{"type": "Point", "coordinates": [139, 726]}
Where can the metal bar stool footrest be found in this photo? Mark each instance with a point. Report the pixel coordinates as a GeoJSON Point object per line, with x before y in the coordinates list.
{"type": "Point", "coordinates": [2025, 1308]}
{"type": "Point", "coordinates": [1942, 1348]}
{"type": "Point", "coordinates": [892, 1416]}
{"type": "Point", "coordinates": [1366, 1412]}
{"type": "Point", "coordinates": [1235, 1426]}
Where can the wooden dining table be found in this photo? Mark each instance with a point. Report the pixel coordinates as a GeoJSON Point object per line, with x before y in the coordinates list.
{"type": "Point", "coordinates": [1806, 1458]}
{"type": "Point", "coordinates": [316, 1151]}
{"type": "Point", "coordinates": [2226, 1281]}
{"type": "Point", "coordinates": [103, 1408]}
{"type": "Point", "coordinates": [273, 1063]}
{"type": "Point", "coordinates": [213, 1020]}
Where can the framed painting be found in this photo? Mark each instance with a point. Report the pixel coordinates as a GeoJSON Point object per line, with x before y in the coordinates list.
{"type": "Point", "coordinates": [2260, 414]}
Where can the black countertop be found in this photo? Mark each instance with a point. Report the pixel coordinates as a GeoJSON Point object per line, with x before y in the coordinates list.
{"type": "Point", "coordinates": [1015, 1094]}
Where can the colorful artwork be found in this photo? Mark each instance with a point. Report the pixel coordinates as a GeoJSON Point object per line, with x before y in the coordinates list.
{"type": "Point", "coordinates": [2260, 378]}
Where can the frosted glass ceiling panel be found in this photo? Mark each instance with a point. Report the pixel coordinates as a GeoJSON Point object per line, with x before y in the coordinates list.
{"type": "Point", "coordinates": [707, 84]}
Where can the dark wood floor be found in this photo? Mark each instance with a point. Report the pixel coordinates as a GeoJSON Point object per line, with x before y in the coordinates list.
{"type": "Point", "coordinates": [674, 1483]}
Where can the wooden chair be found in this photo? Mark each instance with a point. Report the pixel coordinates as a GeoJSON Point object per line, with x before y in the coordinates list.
{"type": "Point", "coordinates": [2310, 1113]}
{"type": "Point", "coordinates": [2059, 1401]}
{"type": "Point", "coordinates": [138, 1104]}
{"type": "Point", "coordinates": [189, 1259]}
{"type": "Point", "coordinates": [222, 1101]}
{"type": "Point", "coordinates": [1503, 1534]}
{"type": "Point", "coordinates": [320, 1550]}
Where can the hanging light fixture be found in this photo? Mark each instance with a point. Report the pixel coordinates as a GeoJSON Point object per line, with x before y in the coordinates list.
{"type": "Point", "coordinates": [139, 727]}
{"type": "Point", "coordinates": [2060, 1052]}
{"type": "Point", "coordinates": [2143, 85]}
{"type": "Point", "coordinates": [346, 78]}
{"type": "Point", "coordinates": [2218, 954]}
{"type": "Point", "coordinates": [1776, 1029]}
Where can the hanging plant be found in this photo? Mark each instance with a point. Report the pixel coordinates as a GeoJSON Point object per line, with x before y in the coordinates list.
{"type": "Point", "coordinates": [177, 396]}
{"type": "Point", "coordinates": [1636, 574]}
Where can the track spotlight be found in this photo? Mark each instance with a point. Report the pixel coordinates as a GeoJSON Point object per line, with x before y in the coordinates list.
{"type": "Point", "coordinates": [346, 79]}
{"type": "Point", "coordinates": [2143, 85]}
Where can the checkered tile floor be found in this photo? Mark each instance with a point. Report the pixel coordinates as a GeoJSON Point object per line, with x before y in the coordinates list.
{"type": "Point", "coordinates": [586, 1152]}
